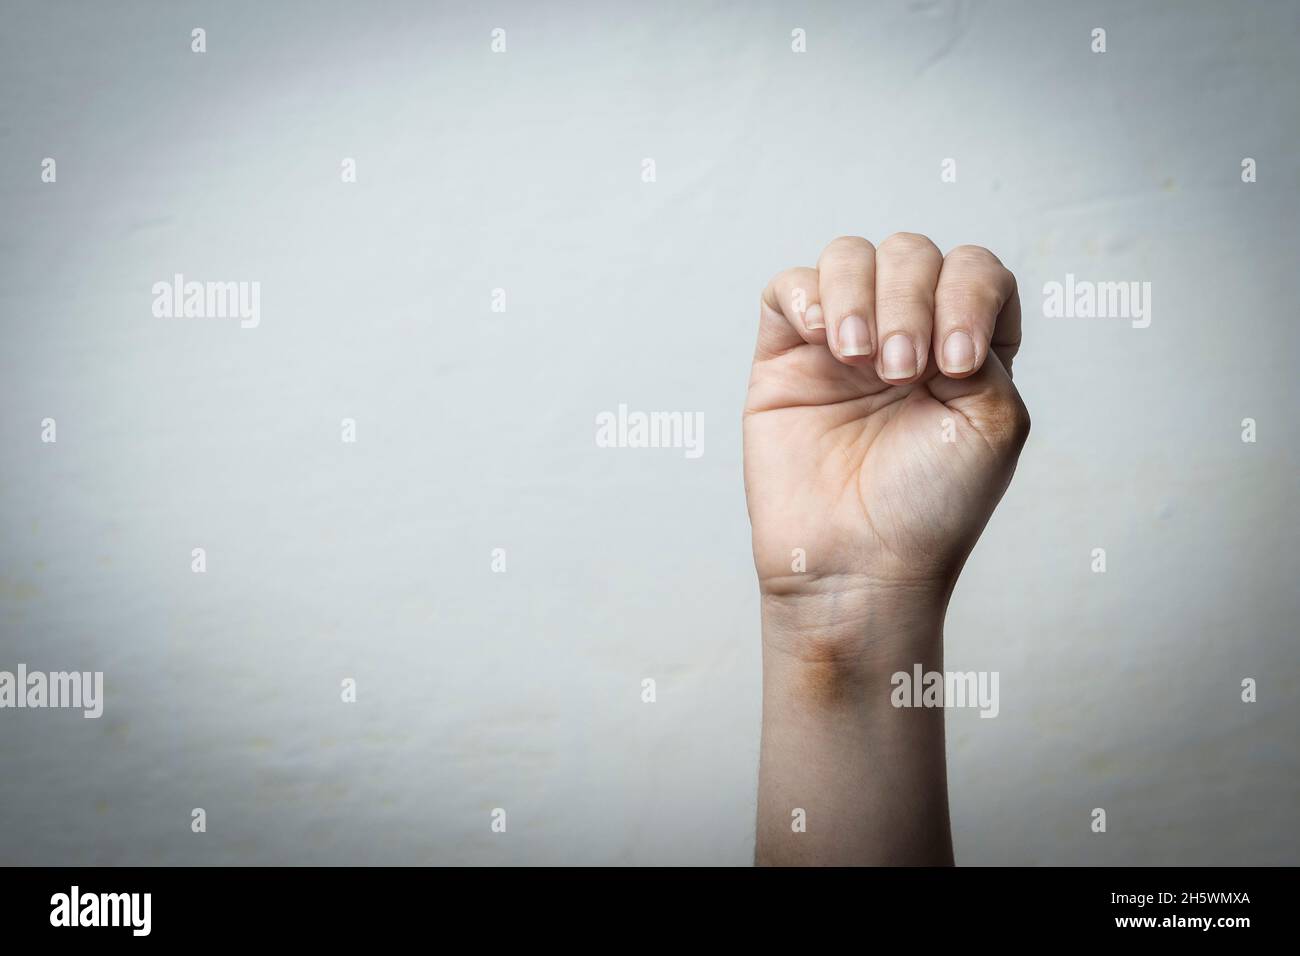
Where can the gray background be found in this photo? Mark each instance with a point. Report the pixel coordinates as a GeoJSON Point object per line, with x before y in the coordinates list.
{"type": "Point", "coordinates": [475, 429]}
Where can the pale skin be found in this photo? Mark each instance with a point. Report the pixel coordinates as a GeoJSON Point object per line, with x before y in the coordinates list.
{"type": "Point", "coordinates": [881, 429]}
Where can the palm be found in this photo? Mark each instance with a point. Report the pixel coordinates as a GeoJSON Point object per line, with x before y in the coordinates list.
{"type": "Point", "coordinates": [860, 473]}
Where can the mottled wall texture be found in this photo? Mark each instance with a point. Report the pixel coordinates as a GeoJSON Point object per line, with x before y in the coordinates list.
{"type": "Point", "coordinates": [467, 245]}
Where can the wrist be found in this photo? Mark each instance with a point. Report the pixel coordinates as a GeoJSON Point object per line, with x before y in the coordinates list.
{"type": "Point", "coordinates": [854, 631]}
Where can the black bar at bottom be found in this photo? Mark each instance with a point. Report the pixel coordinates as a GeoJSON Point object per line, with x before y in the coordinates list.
{"type": "Point", "coordinates": [572, 904]}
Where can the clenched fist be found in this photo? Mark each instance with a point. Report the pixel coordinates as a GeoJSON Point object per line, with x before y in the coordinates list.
{"type": "Point", "coordinates": [881, 425]}
{"type": "Point", "coordinates": [881, 429]}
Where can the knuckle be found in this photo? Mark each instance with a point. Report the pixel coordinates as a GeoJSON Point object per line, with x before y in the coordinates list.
{"type": "Point", "coordinates": [785, 279]}
{"type": "Point", "coordinates": [849, 244]}
{"type": "Point", "coordinates": [846, 252]}
{"type": "Point", "coordinates": [966, 263]}
{"type": "Point", "coordinates": [974, 257]}
{"type": "Point", "coordinates": [910, 244]}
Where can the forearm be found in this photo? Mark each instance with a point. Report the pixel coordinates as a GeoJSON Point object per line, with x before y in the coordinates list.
{"type": "Point", "coordinates": [869, 777]}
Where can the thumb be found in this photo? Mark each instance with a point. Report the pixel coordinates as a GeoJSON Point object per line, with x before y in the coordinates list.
{"type": "Point", "coordinates": [989, 403]}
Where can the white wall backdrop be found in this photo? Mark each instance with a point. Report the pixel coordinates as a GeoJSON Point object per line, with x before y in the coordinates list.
{"type": "Point", "coordinates": [522, 171]}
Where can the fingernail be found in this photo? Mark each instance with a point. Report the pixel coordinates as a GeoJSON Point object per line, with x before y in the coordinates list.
{"type": "Point", "coordinates": [958, 352]}
{"type": "Point", "coordinates": [855, 337]}
{"type": "Point", "coordinates": [813, 318]}
{"type": "Point", "coordinates": [898, 357]}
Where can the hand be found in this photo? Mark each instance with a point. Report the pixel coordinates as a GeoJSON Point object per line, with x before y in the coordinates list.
{"type": "Point", "coordinates": [881, 429]}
